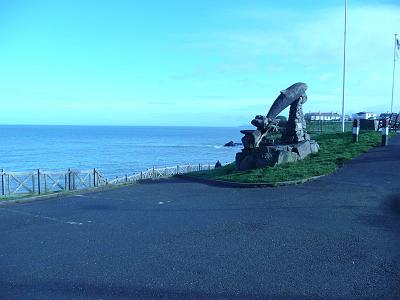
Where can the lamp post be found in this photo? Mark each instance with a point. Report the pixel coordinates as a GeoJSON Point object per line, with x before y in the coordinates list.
{"type": "Point", "coordinates": [344, 61]}
{"type": "Point", "coordinates": [394, 69]}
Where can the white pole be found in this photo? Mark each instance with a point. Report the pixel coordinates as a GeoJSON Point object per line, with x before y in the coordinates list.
{"type": "Point", "coordinates": [344, 60]}
{"type": "Point", "coordinates": [394, 68]}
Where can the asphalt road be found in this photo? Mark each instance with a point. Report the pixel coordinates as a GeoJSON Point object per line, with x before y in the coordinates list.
{"type": "Point", "coordinates": [335, 237]}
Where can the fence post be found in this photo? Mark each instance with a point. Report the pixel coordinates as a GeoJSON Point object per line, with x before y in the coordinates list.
{"type": "Point", "coordinates": [199, 167]}
{"type": "Point", "coordinates": [33, 183]}
{"type": "Point", "coordinates": [39, 182]}
{"type": "Point", "coordinates": [177, 169]}
{"type": "Point", "coordinates": [69, 179]}
{"type": "Point", "coordinates": [8, 184]}
{"type": "Point", "coordinates": [3, 183]}
{"type": "Point", "coordinates": [126, 178]}
{"type": "Point", "coordinates": [209, 167]}
{"type": "Point", "coordinates": [141, 175]}
{"type": "Point", "coordinates": [45, 182]}
{"type": "Point", "coordinates": [153, 173]}
{"type": "Point", "coordinates": [94, 177]}
{"type": "Point", "coordinates": [73, 181]}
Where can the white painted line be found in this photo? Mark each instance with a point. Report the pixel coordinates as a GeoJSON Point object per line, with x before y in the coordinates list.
{"type": "Point", "coordinates": [103, 198]}
{"type": "Point", "coordinates": [160, 202]}
{"type": "Point", "coordinates": [43, 217]}
{"type": "Point", "coordinates": [74, 223]}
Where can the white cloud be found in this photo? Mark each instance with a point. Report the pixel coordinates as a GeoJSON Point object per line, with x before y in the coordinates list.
{"type": "Point", "coordinates": [310, 47]}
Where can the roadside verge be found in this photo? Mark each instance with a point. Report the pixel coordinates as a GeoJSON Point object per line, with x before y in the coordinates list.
{"type": "Point", "coordinates": [225, 183]}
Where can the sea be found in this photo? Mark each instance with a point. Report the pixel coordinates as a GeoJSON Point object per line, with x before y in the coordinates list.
{"type": "Point", "coordinates": [113, 150]}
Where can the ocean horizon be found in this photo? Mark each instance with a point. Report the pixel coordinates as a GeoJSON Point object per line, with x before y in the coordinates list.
{"type": "Point", "coordinates": [114, 150]}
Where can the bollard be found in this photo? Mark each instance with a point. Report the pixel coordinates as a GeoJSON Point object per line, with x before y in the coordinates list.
{"type": "Point", "coordinates": [385, 132]}
{"type": "Point", "coordinates": [356, 130]}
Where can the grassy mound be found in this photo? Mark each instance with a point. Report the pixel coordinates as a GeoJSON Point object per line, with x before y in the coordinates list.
{"type": "Point", "coordinates": [335, 149]}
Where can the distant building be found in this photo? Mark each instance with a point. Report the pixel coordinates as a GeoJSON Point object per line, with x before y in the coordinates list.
{"type": "Point", "coordinates": [365, 115]}
{"type": "Point", "coordinates": [388, 115]}
{"type": "Point", "coordinates": [394, 120]}
{"type": "Point", "coordinates": [319, 116]}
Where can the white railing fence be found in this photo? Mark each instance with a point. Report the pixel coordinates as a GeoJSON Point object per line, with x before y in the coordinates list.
{"type": "Point", "coordinates": [41, 182]}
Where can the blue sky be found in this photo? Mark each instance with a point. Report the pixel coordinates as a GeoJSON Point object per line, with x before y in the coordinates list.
{"type": "Point", "coordinates": [198, 63]}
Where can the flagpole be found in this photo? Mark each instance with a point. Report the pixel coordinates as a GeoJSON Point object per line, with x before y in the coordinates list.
{"type": "Point", "coordinates": [344, 60]}
{"type": "Point", "coordinates": [394, 68]}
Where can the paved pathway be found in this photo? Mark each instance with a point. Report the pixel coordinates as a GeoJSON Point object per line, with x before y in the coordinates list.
{"type": "Point", "coordinates": [336, 237]}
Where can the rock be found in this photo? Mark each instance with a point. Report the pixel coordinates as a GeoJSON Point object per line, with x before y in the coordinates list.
{"type": "Point", "coordinates": [261, 122]}
{"type": "Point", "coordinates": [232, 144]}
{"type": "Point", "coordinates": [303, 149]}
{"type": "Point", "coordinates": [270, 156]}
{"type": "Point", "coordinates": [275, 155]}
{"type": "Point", "coordinates": [250, 138]}
{"type": "Point", "coordinates": [265, 156]}
{"type": "Point", "coordinates": [245, 161]}
{"type": "Point", "coordinates": [314, 146]}
{"type": "Point", "coordinates": [296, 126]}
{"type": "Point", "coordinates": [286, 157]}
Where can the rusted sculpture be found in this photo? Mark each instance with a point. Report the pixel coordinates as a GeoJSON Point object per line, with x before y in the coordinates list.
{"type": "Point", "coordinates": [270, 144]}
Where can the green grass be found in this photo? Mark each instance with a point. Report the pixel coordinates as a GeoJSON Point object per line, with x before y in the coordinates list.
{"type": "Point", "coordinates": [335, 149]}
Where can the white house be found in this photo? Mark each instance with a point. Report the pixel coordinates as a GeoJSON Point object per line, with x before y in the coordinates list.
{"type": "Point", "coordinates": [365, 115]}
{"type": "Point", "coordinates": [318, 116]}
